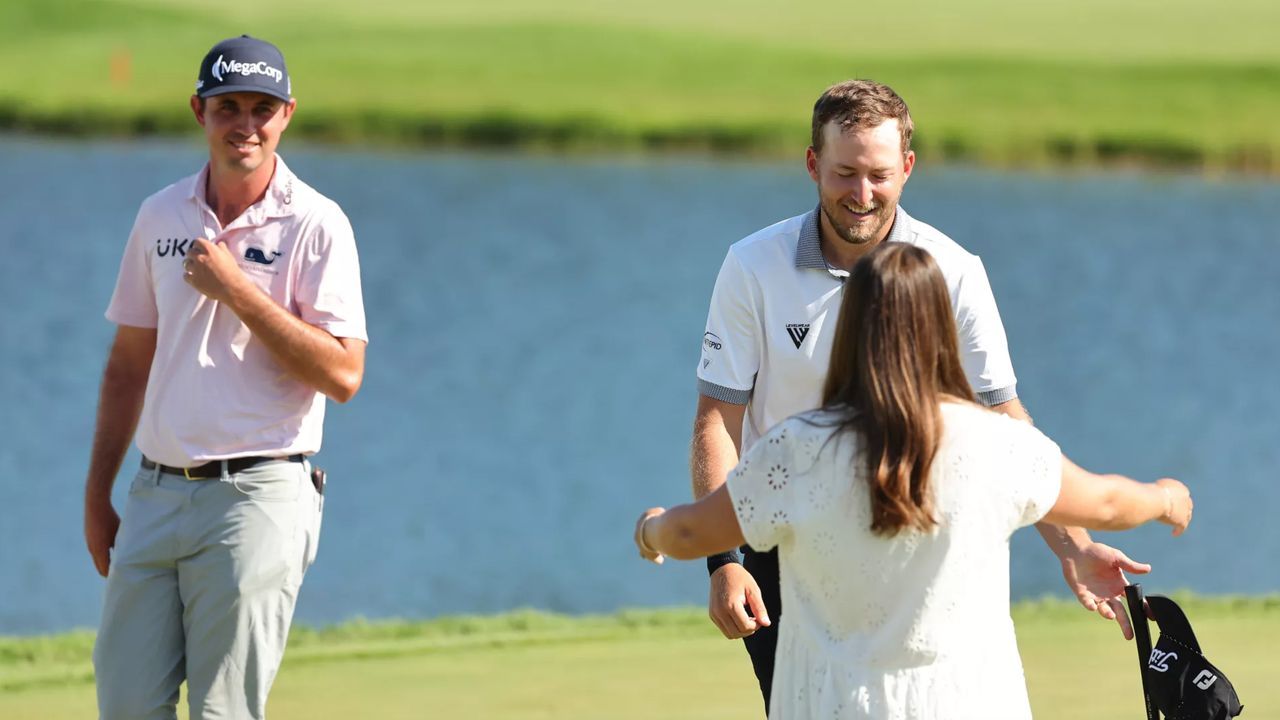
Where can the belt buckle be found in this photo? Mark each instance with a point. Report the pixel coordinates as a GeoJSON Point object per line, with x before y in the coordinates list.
{"type": "Point", "coordinates": [186, 472]}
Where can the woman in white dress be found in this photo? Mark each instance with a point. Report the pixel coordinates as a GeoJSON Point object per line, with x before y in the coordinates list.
{"type": "Point", "coordinates": [892, 508]}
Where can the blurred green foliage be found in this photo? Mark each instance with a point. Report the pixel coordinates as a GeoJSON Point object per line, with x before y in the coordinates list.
{"type": "Point", "coordinates": [1176, 83]}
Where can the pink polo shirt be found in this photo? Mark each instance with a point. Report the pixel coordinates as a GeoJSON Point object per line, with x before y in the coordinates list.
{"type": "Point", "coordinates": [215, 391]}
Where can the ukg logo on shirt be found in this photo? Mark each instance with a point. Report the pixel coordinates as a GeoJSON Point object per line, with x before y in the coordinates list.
{"type": "Point", "coordinates": [235, 67]}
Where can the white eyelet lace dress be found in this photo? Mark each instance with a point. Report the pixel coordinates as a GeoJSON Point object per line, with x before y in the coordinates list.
{"type": "Point", "coordinates": [910, 627]}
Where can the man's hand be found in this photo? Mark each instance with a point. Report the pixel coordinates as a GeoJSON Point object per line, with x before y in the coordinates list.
{"type": "Point", "coordinates": [1096, 575]}
{"type": "Point", "coordinates": [732, 591]}
{"type": "Point", "coordinates": [100, 525]}
{"type": "Point", "coordinates": [211, 268]}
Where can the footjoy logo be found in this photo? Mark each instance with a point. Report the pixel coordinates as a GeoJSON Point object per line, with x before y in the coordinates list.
{"type": "Point", "coordinates": [221, 66]}
{"type": "Point", "coordinates": [258, 256]}
{"type": "Point", "coordinates": [798, 333]}
{"type": "Point", "coordinates": [1160, 660]}
{"type": "Point", "coordinates": [1205, 679]}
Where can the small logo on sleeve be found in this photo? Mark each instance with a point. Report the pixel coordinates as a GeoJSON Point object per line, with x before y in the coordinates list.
{"type": "Point", "coordinates": [710, 342]}
{"type": "Point", "coordinates": [798, 333]}
{"type": "Point", "coordinates": [259, 256]}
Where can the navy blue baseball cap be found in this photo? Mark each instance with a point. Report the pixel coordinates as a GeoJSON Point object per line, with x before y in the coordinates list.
{"type": "Point", "coordinates": [243, 64]}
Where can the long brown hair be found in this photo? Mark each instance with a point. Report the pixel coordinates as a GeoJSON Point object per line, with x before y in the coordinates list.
{"type": "Point", "coordinates": [894, 357]}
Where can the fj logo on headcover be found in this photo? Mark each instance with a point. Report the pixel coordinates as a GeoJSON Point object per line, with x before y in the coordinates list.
{"type": "Point", "coordinates": [1205, 679]}
{"type": "Point", "coordinates": [1160, 661]}
{"type": "Point", "coordinates": [798, 333]}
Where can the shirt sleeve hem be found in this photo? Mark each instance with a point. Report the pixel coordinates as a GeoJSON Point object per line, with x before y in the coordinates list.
{"type": "Point", "coordinates": [141, 321]}
{"type": "Point", "coordinates": [722, 393]}
{"type": "Point", "coordinates": [998, 396]}
{"type": "Point", "coordinates": [344, 330]}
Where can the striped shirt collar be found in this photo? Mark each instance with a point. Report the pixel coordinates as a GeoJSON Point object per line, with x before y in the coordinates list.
{"type": "Point", "coordinates": [809, 247]}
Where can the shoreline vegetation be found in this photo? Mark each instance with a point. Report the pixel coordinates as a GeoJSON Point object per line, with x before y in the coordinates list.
{"type": "Point", "coordinates": [575, 135]}
{"type": "Point", "coordinates": [670, 661]}
{"type": "Point", "coordinates": [1187, 87]}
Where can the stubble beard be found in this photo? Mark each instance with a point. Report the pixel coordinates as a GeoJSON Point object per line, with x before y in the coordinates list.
{"type": "Point", "coordinates": [862, 233]}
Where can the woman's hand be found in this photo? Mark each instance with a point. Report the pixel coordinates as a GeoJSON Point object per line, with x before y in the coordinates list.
{"type": "Point", "coordinates": [1178, 505]}
{"type": "Point", "coordinates": [642, 543]}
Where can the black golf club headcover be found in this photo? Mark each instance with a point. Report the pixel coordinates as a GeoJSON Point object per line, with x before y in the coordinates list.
{"type": "Point", "coordinates": [1183, 684]}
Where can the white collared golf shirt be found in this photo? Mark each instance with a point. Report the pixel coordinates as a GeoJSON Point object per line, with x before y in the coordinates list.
{"type": "Point", "coordinates": [773, 313]}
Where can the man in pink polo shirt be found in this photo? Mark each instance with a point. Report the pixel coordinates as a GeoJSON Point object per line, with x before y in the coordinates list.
{"type": "Point", "coordinates": [239, 310]}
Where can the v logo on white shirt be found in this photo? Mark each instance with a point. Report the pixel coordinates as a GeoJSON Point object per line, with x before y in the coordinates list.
{"type": "Point", "coordinates": [798, 333]}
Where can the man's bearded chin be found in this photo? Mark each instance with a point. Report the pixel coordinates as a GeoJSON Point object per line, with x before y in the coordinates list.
{"type": "Point", "coordinates": [857, 235]}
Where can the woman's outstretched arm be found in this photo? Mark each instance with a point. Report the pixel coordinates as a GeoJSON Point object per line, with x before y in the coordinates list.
{"type": "Point", "coordinates": [689, 531]}
{"type": "Point", "coordinates": [1115, 502]}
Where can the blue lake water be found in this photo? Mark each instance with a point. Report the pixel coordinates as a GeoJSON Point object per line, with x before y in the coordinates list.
{"type": "Point", "coordinates": [535, 325]}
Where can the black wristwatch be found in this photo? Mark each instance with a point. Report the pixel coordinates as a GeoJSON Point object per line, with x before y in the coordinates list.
{"type": "Point", "coordinates": [715, 562]}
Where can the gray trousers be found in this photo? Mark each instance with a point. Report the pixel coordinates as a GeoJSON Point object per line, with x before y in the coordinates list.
{"type": "Point", "coordinates": [203, 581]}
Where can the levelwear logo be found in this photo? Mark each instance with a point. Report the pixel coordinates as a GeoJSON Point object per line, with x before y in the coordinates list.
{"type": "Point", "coordinates": [221, 66]}
{"type": "Point", "coordinates": [798, 333]}
{"type": "Point", "coordinates": [1160, 660]}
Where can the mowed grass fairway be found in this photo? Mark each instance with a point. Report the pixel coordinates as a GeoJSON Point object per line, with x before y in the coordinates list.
{"type": "Point", "coordinates": [1173, 82]}
{"type": "Point", "coordinates": [641, 664]}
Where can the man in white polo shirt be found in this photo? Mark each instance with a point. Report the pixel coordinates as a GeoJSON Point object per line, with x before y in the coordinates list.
{"type": "Point", "coordinates": [239, 310]}
{"type": "Point", "coordinates": [769, 332]}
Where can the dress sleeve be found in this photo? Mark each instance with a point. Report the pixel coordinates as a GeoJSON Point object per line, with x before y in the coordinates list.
{"type": "Point", "coordinates": [1038, 478]}
{"type": "Point", "coordinates": [762, 488]}
{"type": "Point", "coordinates": [730, 347]}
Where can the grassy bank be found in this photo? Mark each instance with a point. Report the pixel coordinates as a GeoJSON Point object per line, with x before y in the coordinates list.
{"type": "Point", "coordinates": [640, 664]}
{"type": "Point", "coordinates": [992, 81]}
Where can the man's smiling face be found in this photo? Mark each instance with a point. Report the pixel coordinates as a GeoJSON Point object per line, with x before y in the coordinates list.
{"type": "Point", "coordinates": [860, 174]}
{"type": "Point", "coordinates": [242, 128]}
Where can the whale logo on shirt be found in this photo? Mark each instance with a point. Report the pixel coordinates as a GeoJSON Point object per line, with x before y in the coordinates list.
{"type": "Point", "coordinates": [257, 255]}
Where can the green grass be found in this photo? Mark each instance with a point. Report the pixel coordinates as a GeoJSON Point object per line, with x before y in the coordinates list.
{"type": "Point", "coordinates": [1178, 83]}
{"type": "Point", "coordinates": [637, 664]}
